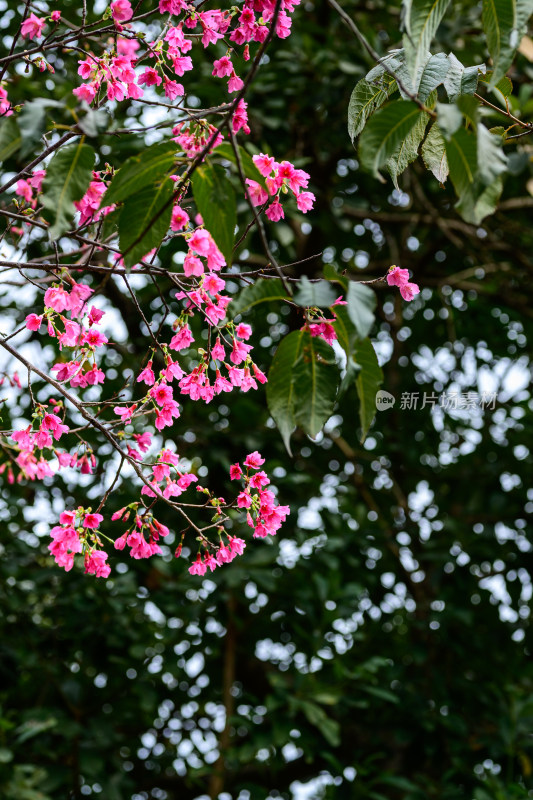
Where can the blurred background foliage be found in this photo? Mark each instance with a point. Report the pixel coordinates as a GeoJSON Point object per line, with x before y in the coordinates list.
{"type": "Point", "coordinates": [380, 647]}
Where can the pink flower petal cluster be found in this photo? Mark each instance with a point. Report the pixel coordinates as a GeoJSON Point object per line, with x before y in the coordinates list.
{"type": "Point", "coordinates": [400, 278]}
{"type": "Point", "coordinates": [279, 178]}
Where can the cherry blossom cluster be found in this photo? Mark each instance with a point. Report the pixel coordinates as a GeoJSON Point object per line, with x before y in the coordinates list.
{"type": "Point", "coordinates": [116, 69]}
{"type": "Point", "coordinates": [263, 514]}
{"type": "Point", "coordinates": [143, 536]}
{"type": "Point", "coordinates": [127, 67]}
{"type": "Point", "coordinates": [48, 428]}
{"type": "Point", "coordinates": [82, 336]}
{"type": "Point", "coordinates": [280, 179]}
{"type": "Point", "coordinates": [78, 532]}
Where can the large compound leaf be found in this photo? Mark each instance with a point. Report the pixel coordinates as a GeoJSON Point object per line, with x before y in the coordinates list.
{"type": "Point", "coordinates": [368, 381]}
{"type": "Point", "coordinates": [215, 200]}
{"type": "Point", "coordinates": [421, 18]}
{"type": "Point", "coordinates": [504, 23]}
{"type": "Point", "coordinates": [264, 290]}
{"type": "Point", "coordinates": [10, 138]}
{"type": "Point", "coordinates": [67, 178]}
{"type": "Point", "coordinates": [434, 154]}
{"type": "Point", "coordinates": [365, 99]}
{"type": "Point", "coordinates": [148, 167]}
{"type": "Point", "coordinates": [144, 221]}
{"type": "Point", "coordinates": [384, 133]}
{"type": "Point", "coordinates": [302, 384]}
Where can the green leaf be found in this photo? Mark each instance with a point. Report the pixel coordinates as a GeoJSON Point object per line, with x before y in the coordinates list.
{"type": "Point", "coordinates": [347, 337]}
{"type": "Point", "coordinates": [367, 383]}
{"type": "Point", "coordinates": [365, 99]}
{"type": "Point", "coordinates": [478, 201]}
{"type": "Point", "coordinates": [329, 728]}
{"type": "Point", "coordinates": [317, 293]}
{"type": "Point", "coordinates": [361, 304]}
{"type": "Point", "coordinates": [302, 384]}
{"type": "Point", "coordinates": [449, 118]}
{"type": "Point", "coordinates": [504, 88]}
{"type": "Point", "coordinates": [469, 108]}
{"type": "Point", "coordinates": [10, 138]}
{"type": "Point", "coordinates": [461, 80]}
{"type": "Point", "coordinates": [345, 329]}
{"type": "Point", "coordinates": [264, 290]}
{"type": "Point", "coordinates": [316, 377]}
{"type": "Point", "coordinates": [433, 75]}
{"type": "Point", "coordinates": [504, 23]}
{"type": "Point", "coordinates": [385, 131]}
{"type": "Point", "coordinates": [67, 178]}
{"type": "Point", "coordinates": [148, 167]}
{"type": "Point", "coordinates": [332, 274]}
{"type": "Point", "coordinates": [491, 159]}
{"type": "Point", "coordinates": [95, 121]}
{"type": "Point", "coordinates": [32, 122]}
{"type": "Point", "coordinates": [225, 150]}
{"type": "Point", "coordinates": [33, 727]}
{"type": "Point", "coordinates": [407, 151]}
{"type": "Point", "coordinates": [434, 154]}
{"type": "Point", "coordinates": [215, 200]}
{"type": "Point", "coordinates": [421, 18]}
{"type": "Point", "coordinates": [144, 221]}
{"type": "Point", "coordinates": [461, 151]}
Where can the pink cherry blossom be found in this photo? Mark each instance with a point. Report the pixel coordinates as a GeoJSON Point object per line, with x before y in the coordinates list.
{"type": "Point", "coordinates": [258, 195]}
{"type": "Point", "coordinates": [275, 212]}
{"type": "Point", "coordinates": [254, 460]}
{"type": "Point", "coordinates": [121, 10]}
{"type": "Point", "coordinates": [95, 564]}
{"type": "Point", "coordinates": [305, 201]}
{"type": "Point", "coordinates": [265, 164]}
{"type": "Point", "coordinates": [32, 26]}
{"type": "Point", "coordinates": [150, 76]}
{"type": "Point", "coordinates": [33, 322]}
{"type": "Point", "coordinates": [235, 472]}
{"type": "Point", "coordinates": [222, 67]}
{"type": "Point", "coordinates": [397, 276]}
{"type": "Point", "coordinates": [409, 290]}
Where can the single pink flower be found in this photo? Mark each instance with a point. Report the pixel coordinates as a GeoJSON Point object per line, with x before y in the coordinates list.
{"type": "Point", "coordinates": [265, 164]}
{"type": "Point", "coordinates": [408, 290]}
{"type": "Point", "coordinates": [121, 10]}
{"type": "Point", "coordinates": [235, 472]}
{"type": "Point", "coordinates": [275, 212]}
{"type": "Point", "coordinates": [92, 520]}
{"type": "Point", "coordinates": [254, 460]}
{"type": "Point", "coordinates": [397, 276]}
{"type": "Point", "coordinates": [33, 322]}
{"type": "Point", "coordinates": [305, 201]}
{"type": "Point", "coordinates": [32, 26]}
